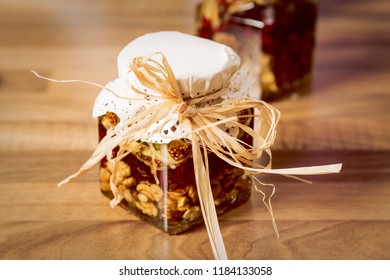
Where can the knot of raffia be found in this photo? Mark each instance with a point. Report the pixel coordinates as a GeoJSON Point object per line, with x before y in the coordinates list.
{"type": "Point", "coordinates": [187, 111]}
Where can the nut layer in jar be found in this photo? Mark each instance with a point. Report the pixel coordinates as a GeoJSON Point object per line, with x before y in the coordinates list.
{"type": "Point", "coordinates": [171, 202]}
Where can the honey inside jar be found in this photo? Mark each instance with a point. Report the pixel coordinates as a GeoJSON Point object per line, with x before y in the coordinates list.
{"type": "Point", "coordinates": [158, 182]}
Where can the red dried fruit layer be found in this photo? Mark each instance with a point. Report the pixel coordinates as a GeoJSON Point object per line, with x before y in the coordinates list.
{"type": "Point", "coordinates": [288, 37]}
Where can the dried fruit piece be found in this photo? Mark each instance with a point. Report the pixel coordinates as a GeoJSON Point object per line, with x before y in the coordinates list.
{"type": "Point", "coordinates": [179, 150]}
{"type": "Point", "coordinates": [110, 120]}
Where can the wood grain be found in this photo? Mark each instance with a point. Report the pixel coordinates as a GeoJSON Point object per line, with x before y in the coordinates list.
{"type": "Point", "coordinates": [47, 132]}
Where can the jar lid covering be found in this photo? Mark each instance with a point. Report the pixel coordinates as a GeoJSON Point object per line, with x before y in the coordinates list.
{"type": "Point", "coordinates": [200, 66]}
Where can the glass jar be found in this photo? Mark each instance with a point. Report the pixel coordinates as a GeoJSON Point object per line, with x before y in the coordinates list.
{"type": "Point", "coordinates": [170, 201]}
{"type": "Point", "coordinates": [287, 33]}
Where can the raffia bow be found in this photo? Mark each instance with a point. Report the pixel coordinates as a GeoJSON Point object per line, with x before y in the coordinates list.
{"type": "Point", "coordinates": [204, 126]}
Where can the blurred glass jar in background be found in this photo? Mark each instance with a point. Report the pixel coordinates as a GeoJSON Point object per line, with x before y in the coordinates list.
{"type": "Point", "coordinates": [286, 31]}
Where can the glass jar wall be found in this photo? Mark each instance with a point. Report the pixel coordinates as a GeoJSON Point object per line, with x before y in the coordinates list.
{"type": "Point", "coordinates": [158, 183]}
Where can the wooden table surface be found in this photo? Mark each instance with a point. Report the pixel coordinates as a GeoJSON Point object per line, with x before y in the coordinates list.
{"type": "Point", "coordinates": [47, 132]}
